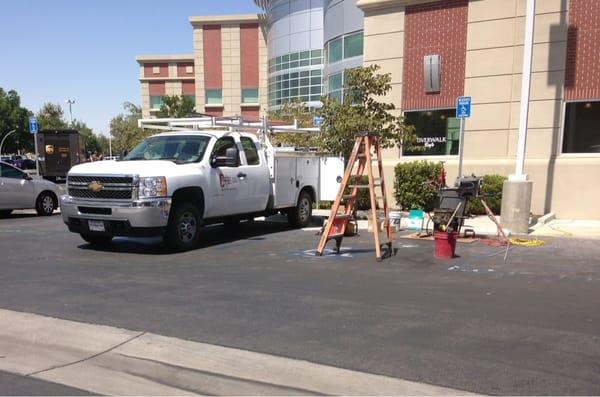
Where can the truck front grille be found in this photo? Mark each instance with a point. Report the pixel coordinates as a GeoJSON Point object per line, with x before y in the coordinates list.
{"type": "Point", "coordinates": [101, 187]}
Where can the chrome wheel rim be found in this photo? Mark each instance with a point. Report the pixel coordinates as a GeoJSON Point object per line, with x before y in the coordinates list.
{"type": "Point", "coordinates": [48, 204]}
{"type": "Point", "coordinates": [304, 209]}
{"type": "Point", "coordinates": [188, 227]}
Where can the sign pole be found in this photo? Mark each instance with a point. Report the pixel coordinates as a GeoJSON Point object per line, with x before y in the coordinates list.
{"type": "Point", "coordinates": [461, 148]}
{"type": "Point", "coordinates": [33, 129]}
{"type": "Point", "coordinates": [463, 111]}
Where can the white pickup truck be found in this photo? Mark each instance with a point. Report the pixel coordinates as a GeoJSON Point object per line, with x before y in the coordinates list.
{"type": "Point", "coordinates": [174, 182]}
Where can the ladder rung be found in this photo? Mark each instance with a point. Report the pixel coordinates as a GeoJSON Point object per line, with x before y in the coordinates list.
{"type": "Point", "coordinates": [373, 157]}
{"type": "Point", "coordinates": [342, 216]}
{"type": "Point", "coordinates": [375, 179]}
{"type": "Point", "coordinates": [363, 186]}
{"type": "Point", "coordinates": [347, 196]}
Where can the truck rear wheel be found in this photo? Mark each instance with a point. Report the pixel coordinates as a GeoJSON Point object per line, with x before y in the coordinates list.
{"type": "Point", "coordinates": [300, 215]}
{"type": "Point", "coordinates": [97, 240]}
{"type": "Point", "coordinates": [183, 230]}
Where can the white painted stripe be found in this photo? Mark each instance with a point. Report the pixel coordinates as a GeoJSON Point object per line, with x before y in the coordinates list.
{"type": "Point", "coordinates": [113, 361]}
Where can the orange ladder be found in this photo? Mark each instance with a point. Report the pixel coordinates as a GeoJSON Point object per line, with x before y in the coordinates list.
{"type": "Point", "coordinates": [366, 151]}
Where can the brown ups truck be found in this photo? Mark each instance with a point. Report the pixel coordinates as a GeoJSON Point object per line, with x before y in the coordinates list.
{"type": "Point", "coordinates": [59, 150]}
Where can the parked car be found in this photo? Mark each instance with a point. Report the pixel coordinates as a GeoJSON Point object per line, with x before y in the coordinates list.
{"type": "Point", "coordinates": [6, 159]}
{"type": "Point", "coordinates": [18, 190]}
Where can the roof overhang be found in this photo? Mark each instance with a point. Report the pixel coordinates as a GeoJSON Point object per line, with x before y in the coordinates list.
{"type": "Point", "coordinates": [224, 19]}
{"type": "Point", "coordinates": [366, 5]}
{"type": "Point", "coordinates": [165, 58]}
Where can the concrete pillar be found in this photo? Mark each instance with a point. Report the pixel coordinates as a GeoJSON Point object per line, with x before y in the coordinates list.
{"type": "Point", "coordinates": [516, 205]}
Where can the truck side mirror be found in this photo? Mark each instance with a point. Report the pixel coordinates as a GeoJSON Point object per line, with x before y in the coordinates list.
{"type": "Point", "coordinates": [231, 159]}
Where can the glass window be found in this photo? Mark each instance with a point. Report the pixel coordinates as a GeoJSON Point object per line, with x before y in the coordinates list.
{"type": "Point", "coordinates": [304, 73]}
{"type": "Point", "coordinates": [438, 131]}
{"type": "Point", "coordinates": [316, 61]}
{"type": "Point", "coordinates": [336, 82]}
{"type": "Point", "coordinates": [315, 90]}
{"type": "Point", "coordinates": [316, 53]}
{"type": "Point", "coordinates": [221, 146]}
{"type": "Point", "coordinates": [285, 58]}
{"type": "Point", "coordinates": [305, 55]}
{"type": "Point", "coordinates": [250, 95]}
{"type": "Point", "coordinates": [192, 98]}
{"type": "Point", "coordinates": [178, 148]}
{"type": "Point", "coordinates": [293, 92]}
{"type": "Point", "coordinates": [315, 73]}
{"type": "Point", "coordinates": [155, 102]}
{"type": "Point", "coordinates": [294, 83]}
{"type": "Point", "coordinates": [305, 62]}
{"type": "Point", "coordinates": [335, 51]}
{"type": "Point", "coordinates": [315, 80]}
{"type": "Point", "coordinates": [353, 45]}
{"type": "Point", "coordinates": [214, 97]}
{"type": "Point", "coordinates": [294, 64]}
{"type": "Point", "coordinates": [6, 171]}
{"type": "Point", "coordinates": [304, 91]}
{"type": "Point", "coordinates": [582, 128]}
{"type": "Point", "coordinates": [305, 81]}
{"type": "Point", "coordinates": [250, 151]}
{"type": "Point", "coordinates": [294, 56]}
{"type": "Point", "coordinates": [336, 95]}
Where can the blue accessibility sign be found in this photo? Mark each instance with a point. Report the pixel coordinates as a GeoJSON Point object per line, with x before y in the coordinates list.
{"type": "Point", "coordinates": [463, 107]}
{"type": "Point", "coordinates": [33, 125]}
{"type": "Point", "coordinates": [317, 121]}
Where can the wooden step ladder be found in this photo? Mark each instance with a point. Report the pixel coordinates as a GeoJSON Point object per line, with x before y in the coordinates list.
{"type": "Point", "coordinates": [366, 151]}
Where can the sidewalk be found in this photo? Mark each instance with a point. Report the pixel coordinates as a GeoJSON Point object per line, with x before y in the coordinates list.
{"type": "Point", "coordinates": [482, 225]}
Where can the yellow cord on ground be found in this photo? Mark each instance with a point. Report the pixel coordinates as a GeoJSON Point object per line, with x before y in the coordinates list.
{"type": "Point", "coordinates": [526, 243]}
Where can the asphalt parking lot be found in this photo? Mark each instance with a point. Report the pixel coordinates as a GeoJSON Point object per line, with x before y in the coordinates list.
{"type": "Point", "coordinates": [475, 323]}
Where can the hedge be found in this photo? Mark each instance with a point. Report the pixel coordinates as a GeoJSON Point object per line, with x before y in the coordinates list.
{"type": "Point", "coordinates": [491, 189]}
{"type": "Point", "coordinates": [414, 186]}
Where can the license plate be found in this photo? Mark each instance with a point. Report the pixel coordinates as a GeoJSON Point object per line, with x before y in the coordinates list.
{"type": "Point", "coordinates": [96, 226]}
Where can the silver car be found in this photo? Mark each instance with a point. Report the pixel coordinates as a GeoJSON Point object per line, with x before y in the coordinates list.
{"type": "Point", "coordinates": [18, 190]}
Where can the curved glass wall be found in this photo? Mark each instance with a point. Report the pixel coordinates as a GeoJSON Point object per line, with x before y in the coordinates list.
{"type": "Point", "coordinates": [295, 50]}
{"type": "Point", "coordinates": [343, 35]}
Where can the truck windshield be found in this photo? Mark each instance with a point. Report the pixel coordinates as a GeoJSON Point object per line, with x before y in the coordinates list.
{"type": "Point", "coordinates": [178, 148]}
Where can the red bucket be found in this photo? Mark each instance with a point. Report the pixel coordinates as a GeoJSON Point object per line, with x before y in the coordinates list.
{"type": "Point", "coordinates": [444, 245]}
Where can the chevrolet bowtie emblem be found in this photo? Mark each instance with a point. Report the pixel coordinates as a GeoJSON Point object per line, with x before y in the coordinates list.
{"type": "Point", "coordinates": [95, 186]}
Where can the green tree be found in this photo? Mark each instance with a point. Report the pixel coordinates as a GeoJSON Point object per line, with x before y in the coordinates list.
{"type": "Point", "coordinates": [124, 128]}
{"type": "Point", "coordinates": [361, 111]}
{"type": "Point", "coordinates": [14, 117]}
{"type": "Point", "coordinates": [176, 106]}
{"type": "Point", "coordinates": [295, 111]}
{"type": "Point", "coordinates": [51, 116]}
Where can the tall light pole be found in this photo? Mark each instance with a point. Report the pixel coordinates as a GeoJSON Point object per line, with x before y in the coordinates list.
{"type": "Point", "coordinates": [70, 102]}
{"type": "Point", "coordinates": [3, 139]}
{"type": "Point", "coordinates": [517, 191]}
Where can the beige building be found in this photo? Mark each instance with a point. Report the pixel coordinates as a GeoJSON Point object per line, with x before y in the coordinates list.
{"type": "Point", "coordinates": [225, 76]}
{"type": "Point", "coordinates": [480, 44]}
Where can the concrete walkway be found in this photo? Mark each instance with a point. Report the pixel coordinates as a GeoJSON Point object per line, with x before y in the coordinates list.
{"type": "Point", "coordinates": [114, 361]}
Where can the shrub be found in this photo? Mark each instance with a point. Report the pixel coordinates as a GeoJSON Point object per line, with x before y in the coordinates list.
{"type": "Point", "coordinates": [362, 201]}
{"type": "Point", "coordinates": [414, 185]}
{"type": "Point", "coordinates": [491, 189]}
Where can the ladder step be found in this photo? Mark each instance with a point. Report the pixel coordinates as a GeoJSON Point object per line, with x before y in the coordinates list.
{"type": "Point", "coordinates": [347, 196]}
{"type": "Point", "coordinates": [373, 157]}
{"type": "Point", "coordinates": [342, 216]}
{"type": "Point", "coordinates": [363, 186]}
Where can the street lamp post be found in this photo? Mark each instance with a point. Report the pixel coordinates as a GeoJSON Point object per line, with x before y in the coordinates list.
{"type": "Point", "coordinates": [517, 191]}
{"type": "Point", "coordinates": [70, 102]}
{"type": "Point", "coordinates": [3, 139]}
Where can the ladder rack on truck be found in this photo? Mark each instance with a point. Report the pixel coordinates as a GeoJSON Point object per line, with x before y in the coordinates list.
{"type": "Point", "coordinates": [287, 165]}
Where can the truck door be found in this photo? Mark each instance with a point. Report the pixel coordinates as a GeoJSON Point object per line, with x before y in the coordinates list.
{"type": "Point", "coordinates": [228, 194]}
{"type": "Point", "coordinates": [255, 176]}
{"type": "Point", "coordinates": [15, 190]}
{"type": "Point", "coordinates": [57, 154]}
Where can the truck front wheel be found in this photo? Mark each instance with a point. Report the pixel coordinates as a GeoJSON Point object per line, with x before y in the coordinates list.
{"type": "Point", "coordinates": [183, 230]}
{"type": "Point", "coordinates": [300, 215]}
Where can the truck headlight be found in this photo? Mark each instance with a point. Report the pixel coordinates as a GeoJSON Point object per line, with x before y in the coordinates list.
{"type": "Point", "coordinates": [154, 186]}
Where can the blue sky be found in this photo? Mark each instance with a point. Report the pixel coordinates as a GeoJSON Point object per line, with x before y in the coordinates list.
{"type": "Point", "coordinates": [51, 50]}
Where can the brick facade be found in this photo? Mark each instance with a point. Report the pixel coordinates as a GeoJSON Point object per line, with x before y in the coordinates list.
{"type": "Point", "coordinates": [583, 56]}
{"type": "Point", "coordinates": [434, 29]}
